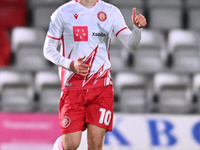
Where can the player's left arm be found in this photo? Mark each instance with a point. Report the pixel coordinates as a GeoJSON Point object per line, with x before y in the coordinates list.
{"type": "Point", "coordinates": [131, 39]}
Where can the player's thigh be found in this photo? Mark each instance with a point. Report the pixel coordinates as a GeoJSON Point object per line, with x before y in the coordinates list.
{"type": "Point", "coordinates": [95, 136]}
{"type": "Point", "coordinates": [71, 140]}
{"type": "Point", "coordinates": [71, 112]}
{"type": "Point", "coordinates": [100, 111]}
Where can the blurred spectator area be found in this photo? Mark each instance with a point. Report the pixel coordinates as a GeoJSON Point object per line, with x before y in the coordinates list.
{"type": "Point", "coordinates": [162, 76]}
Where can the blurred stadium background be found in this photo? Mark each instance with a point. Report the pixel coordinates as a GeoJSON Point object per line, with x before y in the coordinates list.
{"type": "Point", "coordinates": [161, 77]}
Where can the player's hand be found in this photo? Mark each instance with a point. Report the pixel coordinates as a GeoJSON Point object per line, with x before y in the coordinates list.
{"type": "Point", "coordinates": [138, 20]}
{"type": "Point", "coordinates": [79, 67]}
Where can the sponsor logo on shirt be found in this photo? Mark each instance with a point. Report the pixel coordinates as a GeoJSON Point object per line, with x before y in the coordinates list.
{"type": "Point", "coordinates": [76, 16]}
{"type": "Point", "coordinates": [80, 33]}
{"type": "Point", "coordinates": [98, 34]}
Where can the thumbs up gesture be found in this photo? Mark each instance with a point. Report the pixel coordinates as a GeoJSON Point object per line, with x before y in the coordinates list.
{"type": "Point", "coordinates": [138, 20]}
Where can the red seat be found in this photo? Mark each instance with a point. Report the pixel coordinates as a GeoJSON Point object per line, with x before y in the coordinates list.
{"type": "Point", "coordinates": [5, 52]}
{"type": "Point", "coordinates": [13, 13]}
{"type": "Point", "coordinates": [13, 2]}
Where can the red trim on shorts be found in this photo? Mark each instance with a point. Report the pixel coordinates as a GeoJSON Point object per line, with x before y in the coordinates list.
{"type": "Point", "coordinates": [121, 30]}
{"type": "Point", "coordinates": [53, 37]}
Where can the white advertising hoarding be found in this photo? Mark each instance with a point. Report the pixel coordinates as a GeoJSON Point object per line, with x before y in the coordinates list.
{"type": "Point", "coordinates": [130, 132]}
{"type": "Point", "coordinates": [152, 132]}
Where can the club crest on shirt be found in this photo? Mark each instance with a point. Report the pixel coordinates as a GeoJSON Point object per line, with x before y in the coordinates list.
{"type": "Point", "coordinates": [102, 16]}
{"type": "Point", "coordinates": [65, 122]}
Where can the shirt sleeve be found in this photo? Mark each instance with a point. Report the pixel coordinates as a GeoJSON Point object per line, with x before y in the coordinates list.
{"type": "Point", "coordinates": [53, 37]}
{"type": "Point", "coordinates": [119, 22]}
{"type": "Point", "coordinates": [130, 39]}
{"type": "Point", "coordinates": [56, 25]}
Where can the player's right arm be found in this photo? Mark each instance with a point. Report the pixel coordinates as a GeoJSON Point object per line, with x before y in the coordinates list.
{"type": "Point", "coordinates": [51, 53]}
{"type": "Point", "coordinates": [50, 48]}
{"type": "Point", "coordinates": [53, 37]}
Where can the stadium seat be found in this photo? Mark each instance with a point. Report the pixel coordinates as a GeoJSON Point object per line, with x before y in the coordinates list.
{"type": "Point", "coordinates": [196, 83]}
{"type": "Point", "coordinates": [5, 48]}
{"type": "Point", "coordinates": [13, 2]}
{"type": "Point", "coordinates": [117, 59]}
{"type": "Point", "coordinates": [184, 48]}
{"type": "Point", "coordinates": [194, 18]}
{"type": "Point", "coordinates": [48, 89]}
{"type": "Point", "coordinates": [13, 13]}
{"type": "Point", "coordinates": [37, 3]}
{"type": "Point", "coordinates": [127, 14]}
{"type": "Point", "coordinates": [192, 4]}
{"type": "Point", "coordinates": [165, 19]}
{"type": "Point", "coordinates": [115, 42]}
{"type": "Point", "coordinates": [25, 35]}
{"type": "Point", "coordinates": [196, 92]}
{"type": "Point", "coordinates": [30, 57]}
{"type": "Point", "coordinates": [173, 92]}
{"type": "Point", "coordinates": [41, 16]}
{"type": "Point", "coordinates": [165, 14]}
{"type": "Point", "coordinates": [132, 3]}
{"type": "Point", "coordinates": [17, 94]}
{"type": "Point", "coordinates": [118, 55]}
{"type": "Point", "coordinates": [132, 91]}
{"type": "Point", "coordinates": [151, 56]}
{"type": "Point", "coordinates": [164, 3]}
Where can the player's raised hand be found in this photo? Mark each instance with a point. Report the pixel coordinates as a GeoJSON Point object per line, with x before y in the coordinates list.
{"type": "Point", "coordinates": [138, 20]}
{"type": "Point", "coordinates": [79, 67]}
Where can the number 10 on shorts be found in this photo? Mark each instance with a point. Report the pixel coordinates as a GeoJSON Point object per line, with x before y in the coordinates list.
{"type": "Point", "coordinates": [105, 116]}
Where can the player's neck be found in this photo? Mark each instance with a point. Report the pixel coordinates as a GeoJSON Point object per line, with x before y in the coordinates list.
{"type": "Point", "coordinates": [88, 2]}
